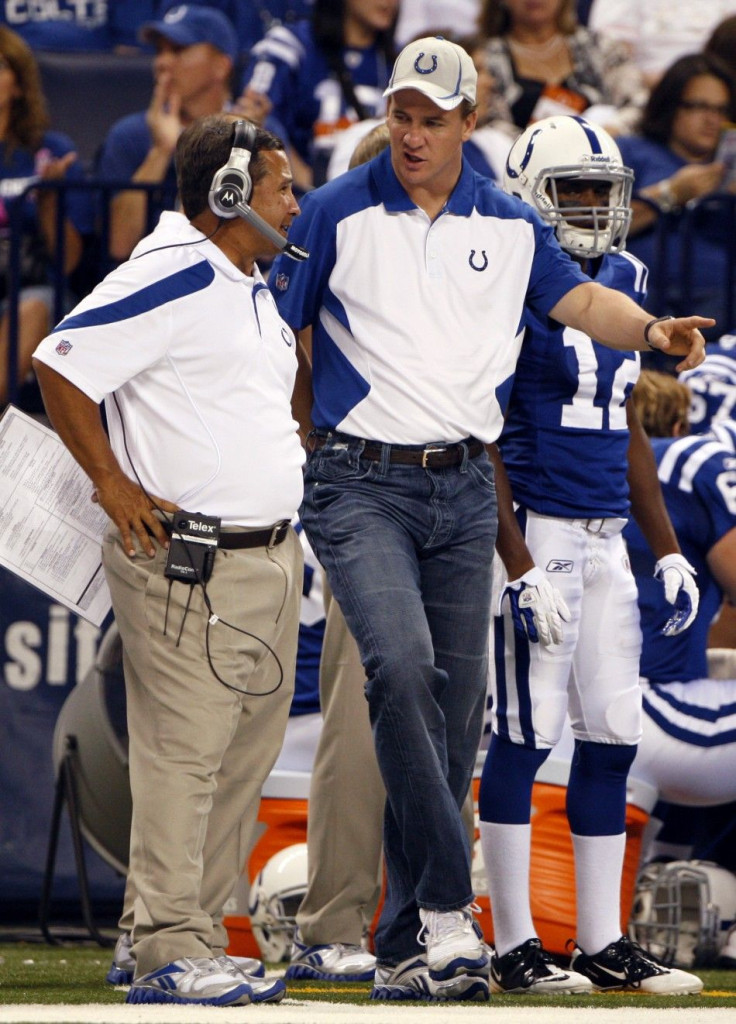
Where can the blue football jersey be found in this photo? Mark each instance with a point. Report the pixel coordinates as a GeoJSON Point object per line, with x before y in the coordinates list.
{"type": "Point", "coordinates": [698, 477]}
{"type": "Point", "coordinates": [713, 387]}
{"type": "Point", "coordinates": [308, 103]}
{"type": "Point", "coordinates": [565, 440]}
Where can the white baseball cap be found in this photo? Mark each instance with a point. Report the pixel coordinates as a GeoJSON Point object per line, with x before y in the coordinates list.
{"type": "Point", "coordinates": [441, 70]}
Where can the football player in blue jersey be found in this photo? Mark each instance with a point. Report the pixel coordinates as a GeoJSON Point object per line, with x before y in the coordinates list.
{"type": "Point", "coordinates": [687, 750]}
{"type": "Point", "coordinates": [578, 462]}
{"type": "Point", "coordinates": [317, 77]}
{"type": "Point", "coordinates": [713, 386]}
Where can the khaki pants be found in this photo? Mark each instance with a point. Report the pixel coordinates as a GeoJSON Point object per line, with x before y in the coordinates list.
{"type": "Point", "coordinates": [199, 752]}
{"type": "Point", "coordinates": [346, 800]}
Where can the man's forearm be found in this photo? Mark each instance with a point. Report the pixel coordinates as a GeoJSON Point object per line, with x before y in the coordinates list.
{"type": "Point", "coordinates": [647, 502]}
{"type": "Point", "coordinates": [608, 316]}
{"type": "Point", "coordinates": [77, 421]}
{"type": "Point", "coordinates": [510, 543]}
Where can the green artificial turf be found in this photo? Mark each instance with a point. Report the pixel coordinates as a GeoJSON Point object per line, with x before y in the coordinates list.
{"type": "Point", "coordinates": [33, 972]}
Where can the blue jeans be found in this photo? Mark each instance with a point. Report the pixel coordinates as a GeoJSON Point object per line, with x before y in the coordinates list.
{"type": "Point", "coordinates": [408, 553]}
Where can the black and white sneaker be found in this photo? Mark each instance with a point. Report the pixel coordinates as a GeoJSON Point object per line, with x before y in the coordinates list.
{"type": "Point", "coordinates": [625, 966]}
{"type": "Point", "coordinates": [529, 968]}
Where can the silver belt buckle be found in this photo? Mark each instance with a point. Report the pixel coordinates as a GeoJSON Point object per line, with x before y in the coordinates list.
{"type": "Point", "coordinates": [589, 525]}
{"type": "Point", "coordinates": [430, 450]}
{"type": "Point", "coordinates": [278, 533]}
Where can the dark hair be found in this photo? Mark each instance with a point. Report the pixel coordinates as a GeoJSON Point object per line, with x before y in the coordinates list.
{"type": "Point", "coordinates": [203, 148]}
{"type": "Point", "coordinates": [28, 116]}
{"type": "Point", "coordinates": [495, 18]}
{"type": "Point", "coordinates": [664, 99]}
{"type": "Point", "coordinates": [328, 19]}
{"type": "Point", "coordinates": [722, 42]}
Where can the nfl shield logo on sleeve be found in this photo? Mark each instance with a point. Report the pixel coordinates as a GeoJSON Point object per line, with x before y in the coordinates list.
{"type": "Point", "coordinates": [64, 347]}
{"type": "Point", "coordinates": [282, 282]}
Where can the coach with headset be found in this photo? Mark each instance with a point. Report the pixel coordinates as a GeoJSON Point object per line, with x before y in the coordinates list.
{"type": "Point", "coordinates": [200, 478]}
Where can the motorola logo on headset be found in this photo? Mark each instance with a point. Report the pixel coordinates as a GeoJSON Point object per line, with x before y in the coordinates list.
{"type": "Point", "coordinates": [232, 188]}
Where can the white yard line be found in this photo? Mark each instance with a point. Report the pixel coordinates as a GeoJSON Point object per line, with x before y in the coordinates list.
{"type": "Point", "coordinates": [293, 1011]}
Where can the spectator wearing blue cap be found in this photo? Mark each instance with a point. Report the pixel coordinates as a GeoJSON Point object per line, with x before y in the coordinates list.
{"type": "Point", "coordinates": [252, 19]}
{"type": "Point", "coordinates": [196, 49]}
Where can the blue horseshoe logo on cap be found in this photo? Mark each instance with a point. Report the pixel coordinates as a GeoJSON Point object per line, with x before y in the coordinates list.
{"type": "Point", "coordinates": [471, 258]}
{"type": "Point", "coordinates": [425, 71]}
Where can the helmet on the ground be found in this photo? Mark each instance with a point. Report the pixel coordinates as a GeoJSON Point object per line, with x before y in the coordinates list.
{"type": "Point", "coordinates": [274, 899]}
{"type": "Point", "coordinates": [569, 148]}
{"type": "Point", "coordinates": [683, 911]}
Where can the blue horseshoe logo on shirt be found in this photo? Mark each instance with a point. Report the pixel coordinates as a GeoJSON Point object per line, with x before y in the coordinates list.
{"type": "Point", "coordinates": [472, 257]}
{"type": "Point", "coordinates": [425, 71]}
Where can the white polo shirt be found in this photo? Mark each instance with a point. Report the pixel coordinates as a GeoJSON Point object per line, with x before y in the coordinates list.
{"type": "Point", "coordinates": [416, 322]}
{"type": "Point", "coordinates": [196, 359]}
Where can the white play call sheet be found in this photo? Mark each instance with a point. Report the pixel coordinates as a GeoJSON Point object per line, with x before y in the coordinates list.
{"type": "Point", "coordinates": [50, 529]}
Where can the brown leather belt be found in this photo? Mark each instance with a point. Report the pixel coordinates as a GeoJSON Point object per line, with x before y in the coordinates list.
{"type": "Point", "coordinates": [433, 456]}
{"type": "Point", "coordinates": [237, 539]}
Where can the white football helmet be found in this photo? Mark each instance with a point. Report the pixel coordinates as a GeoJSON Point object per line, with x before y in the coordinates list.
{"type": "Point", "coordinates": [568, 147]}
{"type": "Point", "coordinates": [683, 911]}
{"type": "Point", "coordinates": [274, 899]}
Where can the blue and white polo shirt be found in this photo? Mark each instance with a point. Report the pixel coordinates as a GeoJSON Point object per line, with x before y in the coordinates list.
{"type": "Point", "coordinates": [416, 322]}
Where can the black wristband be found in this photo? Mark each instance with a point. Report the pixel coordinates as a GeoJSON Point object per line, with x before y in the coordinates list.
{"type": "Point", "coordinates": [657, 320]}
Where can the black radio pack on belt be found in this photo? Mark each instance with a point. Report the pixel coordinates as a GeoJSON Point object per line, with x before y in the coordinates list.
{"type": "Point", "coordinates": [192, 549]}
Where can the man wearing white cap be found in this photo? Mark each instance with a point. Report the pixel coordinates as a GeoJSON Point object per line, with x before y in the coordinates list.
{"type": "Point", "coordinates": [414, 290]}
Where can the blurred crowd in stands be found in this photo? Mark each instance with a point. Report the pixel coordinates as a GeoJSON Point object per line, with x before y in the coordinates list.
{"type": "Point", "coordinates": [660, 78]}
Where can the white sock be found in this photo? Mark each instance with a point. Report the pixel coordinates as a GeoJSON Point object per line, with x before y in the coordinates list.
{"type": "Point", "coordinates": [599, 862]}
{"type": "Point", "coordinates": [506, 853]}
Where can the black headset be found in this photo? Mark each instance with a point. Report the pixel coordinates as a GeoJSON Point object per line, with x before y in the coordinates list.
{"type": "Point", "coordinates": [232, 187]}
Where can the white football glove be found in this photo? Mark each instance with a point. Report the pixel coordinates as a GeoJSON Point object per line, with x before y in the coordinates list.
{"type": "Point", "coordinates": [680, 589]}
{"type": "Point", "coordinates": [537, 608]}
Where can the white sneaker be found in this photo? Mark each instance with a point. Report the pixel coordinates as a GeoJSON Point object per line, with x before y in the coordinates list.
{"type": "Point", "coordinates": [249, 965]}
{"type": "Point", "coordinates": [264, 990]}
{"type": "Point", "coordinates": [410, 980]}
{"type": "Point", "coordinates": [199, 980]}
{"type": "Point", "coordinates": [624, 966]}
{"type": "Point", "coordinates": [453, 945]}
{"type": "Point", "coordinates": [335, 961]}
{"type": "Point", "coordinates": [122, 967]}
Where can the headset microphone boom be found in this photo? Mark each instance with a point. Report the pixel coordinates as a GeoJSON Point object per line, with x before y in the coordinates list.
{"type": "Point", "coordinates": [232, 187]}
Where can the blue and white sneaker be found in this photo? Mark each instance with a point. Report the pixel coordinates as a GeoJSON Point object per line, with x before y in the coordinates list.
{"type": "Point", "coordinates": [265, 990]}
{"type": "Point", "coordinates": [335, 961]}
{"type": "Point", "coordinates": [453, 944]}
{"type": "Point", "coordinates": [411, 980]}
{"type": "Point", "coordinates": [200, 980]}
{"type": "Point", "coordinates": [249, 965]}
{"type": "Point", "coordinates": [122, 967]}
